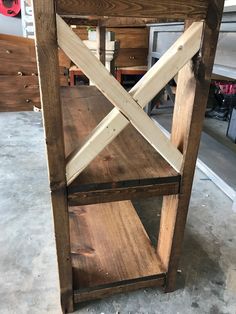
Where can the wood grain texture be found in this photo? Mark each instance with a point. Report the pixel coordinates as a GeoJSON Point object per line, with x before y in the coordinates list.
{"type": "Point", "coordinates": [119, 287]}
{"type": "Point", "coordinates": [126, 193]}
{"type": "Point", "coordinates": [184, 48]}
{"type": "Point", "coordinates": [195, 9]}
{"type": "Point", "coordinates": [48, 68]}
{"type": "Point", "coordinates": [19, 74]}
{"type": "Point", "coordinates": [147, 87]}
{"type": "Point", "coordinates": [128, 57]}
{"type": "Point", "coordinates": [113, 21]}
{"type": "Point", "coordinates": [191, 99]}
{"type": "Point", "coordinates": [131, 37]}
{"type": "Point", "coordinates": [115, 167]}
{"type": "Point", "coordinates": [19, 93]}
{"type": "Point", "coordinates": [17, 54]}
{"type": "Point", "coordinates": [128, 110]}
{"type": "Point", "coordinates": [109, 244]}
{"type": "Point", "coordinates": [105, 82]}
{"type": "Point", "coordinates": [81, 31]}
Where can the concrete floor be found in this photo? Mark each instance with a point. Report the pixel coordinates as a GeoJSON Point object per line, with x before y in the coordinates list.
{"type": "Point", "coordinates": [217, 154]}
{"type": "Point", "coordinates": [28, 269]}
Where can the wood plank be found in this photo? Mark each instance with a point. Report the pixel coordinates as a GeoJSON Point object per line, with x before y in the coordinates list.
{"type": "Point", "coordinates": [114, 168]}
{"type": "Point", "coordinates": [131, 37]}
{"type": "Point", "coordinates": [179, 9]}
{"type": "Point", "coordinates": [174, 59]}
{"type": "Point", "coordinates": [109, 86]}
{"type": "Point", "coordinates": [19, 93]}
{"type": "Point", "coordinates": [48, 68]}
{"type": "Point", "coordinates": [101, 43]}
{"type": "Point", "coordinates": [113, 21]}
{"type": "Point", "coordinates": [120, 194]}
{"type": "Point", "coordinates": [185, 47]}
{"type": "Point", "coordinates": [99, 233]}
{"type": "Point", "coordinates": [191, 99]}
{"type": "Point", "coordinates": [17, 54]}
{"type": "Point", "coordinates": [81, 31]}
{"type": "Point", "coordinates": [120, 287]}
{"type": "Point", "coordinates": [19, 74]}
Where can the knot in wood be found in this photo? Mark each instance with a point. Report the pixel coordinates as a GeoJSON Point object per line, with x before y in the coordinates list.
{"type": "Point", "coordinates": [198, 67]}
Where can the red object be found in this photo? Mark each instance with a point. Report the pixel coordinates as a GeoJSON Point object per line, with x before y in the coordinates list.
{"type": "Point", "coordinates": [73, 72]}
{"type": "Point", "coordinates": [227, 88]}
{"type": "Point", "coordinates": [10, 7]}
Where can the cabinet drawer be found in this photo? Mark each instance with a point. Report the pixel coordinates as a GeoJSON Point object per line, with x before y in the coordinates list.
{"type": "Point", "coordinates": [131, 57]}
{"type": "Point", "coordinates": [19, 93]}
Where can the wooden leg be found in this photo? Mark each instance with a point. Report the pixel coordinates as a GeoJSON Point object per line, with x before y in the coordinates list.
{"type": "Point", "coordinates": [173, 219]}
{"type": "Point", "coordinates": [191, 99]}
{"type": "Point", "coordinates": [47, 60]}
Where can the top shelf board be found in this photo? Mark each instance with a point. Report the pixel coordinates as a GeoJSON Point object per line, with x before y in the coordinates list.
{"type": "Point", "coordinates": [127, 167]}
{"type": "Point", "coordinates": [178, 9]}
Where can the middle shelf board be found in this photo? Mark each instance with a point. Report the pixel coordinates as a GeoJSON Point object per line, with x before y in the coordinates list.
{"type": "Point", "coordinates": [110, 248]}
{"type": "Point", "coordinates": [127, 168]}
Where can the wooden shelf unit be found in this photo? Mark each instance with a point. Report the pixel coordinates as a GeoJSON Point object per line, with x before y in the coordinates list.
{"type": "Point", "coordinates": [100, 159]}
{"type": "Point", "coordinates": [120, 171]}
{"type": "Point", "coordinates": [110, 248]}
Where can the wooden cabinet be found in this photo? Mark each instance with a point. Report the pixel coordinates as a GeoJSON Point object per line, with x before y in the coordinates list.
{"type": "Point", "coordinates": [133, 43]}
{"type": "Point", "coordinates": [19, 74]}
{"type": "Point", "coordinates": [129, 57]}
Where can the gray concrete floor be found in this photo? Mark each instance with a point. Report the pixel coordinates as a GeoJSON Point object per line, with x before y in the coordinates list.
{"type": "Point", "coordinates": [217, 154]}
{"type": "Point", "coordinates": [28, 269]}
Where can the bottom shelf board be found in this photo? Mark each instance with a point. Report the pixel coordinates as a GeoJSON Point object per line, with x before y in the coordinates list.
{"type": "Point", "coordinates": [118, 287]}
{"type": "Point", "coordinates": [110, 249]}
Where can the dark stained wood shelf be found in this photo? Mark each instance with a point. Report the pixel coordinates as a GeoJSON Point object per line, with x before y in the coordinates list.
{"type": "Point", "coordinates": [121, 171]}
{"type": "Point", "coordinates": [110, 248]}
{"type": "Point", "coordinates": [102, 246]}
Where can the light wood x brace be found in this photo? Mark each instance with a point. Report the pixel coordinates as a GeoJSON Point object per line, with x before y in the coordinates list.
{"type": "Point", "coordinates": [129, 106]}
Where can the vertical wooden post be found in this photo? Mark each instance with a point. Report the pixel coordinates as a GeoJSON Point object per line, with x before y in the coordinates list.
{"type": "Point", "coordinates": [101, 43]}
{"type": "Point", "coordinates": [48, 67]}
{"type": "Point", "coordinates": [190, 104]}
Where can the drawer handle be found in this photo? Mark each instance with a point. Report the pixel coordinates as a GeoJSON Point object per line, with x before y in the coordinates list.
{"type": "Point", "coordinates": [132, 57]}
